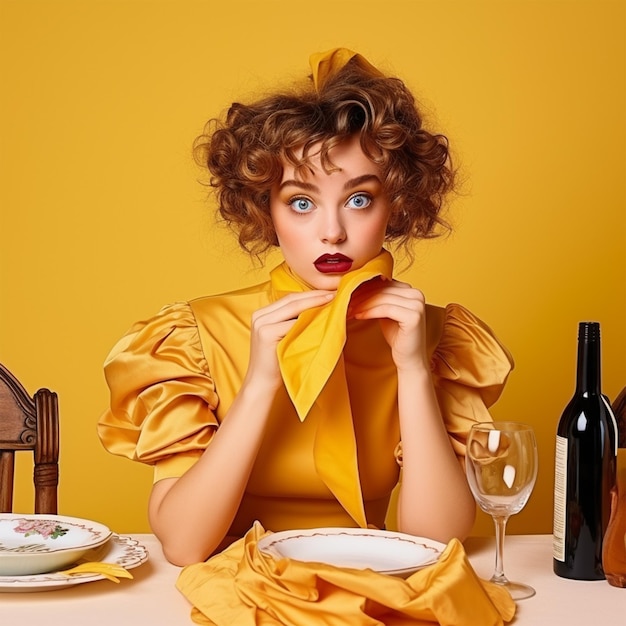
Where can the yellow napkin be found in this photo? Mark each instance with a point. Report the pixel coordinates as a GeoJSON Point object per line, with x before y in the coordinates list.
{"type": "Point", "coordinates": [112, 571]}
{"type": "Point", "coordinates": [326, 64]}
{"type": "Point", "coordinates": [311, 349]}
{"type": "Point", "coordinates": [246, 587]}
{"type": "Point", "coordinates": [312, 367]}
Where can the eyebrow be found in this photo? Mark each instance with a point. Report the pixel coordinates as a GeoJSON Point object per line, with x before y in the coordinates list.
{"type": "Point", "coordinates": [349, 184]}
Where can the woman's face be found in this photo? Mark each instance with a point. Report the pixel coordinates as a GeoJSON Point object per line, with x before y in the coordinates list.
{"type": "Point", "coordinates": [330, 223]}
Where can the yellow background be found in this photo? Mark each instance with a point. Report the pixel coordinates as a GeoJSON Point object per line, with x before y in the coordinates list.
{"type": "Point", "coordinates": [104, 220]}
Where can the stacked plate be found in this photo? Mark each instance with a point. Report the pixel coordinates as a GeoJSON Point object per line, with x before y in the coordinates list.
{"type": "Point", "coordinates": [35, 548]}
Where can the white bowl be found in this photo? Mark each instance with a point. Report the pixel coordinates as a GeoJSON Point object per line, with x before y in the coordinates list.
{"type": "Point", "coordinates": [383, 551]}
{"type": "Point", "coordinates": [34, 544]}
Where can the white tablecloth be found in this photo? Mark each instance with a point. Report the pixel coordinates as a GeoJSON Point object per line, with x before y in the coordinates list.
{"type": "Point", "coordinates": [151, 599]}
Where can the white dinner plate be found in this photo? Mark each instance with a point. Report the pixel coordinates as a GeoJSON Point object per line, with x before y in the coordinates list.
{"type": "Point", "coordinates": [120, 550]}
{"type": "Point", "coordinates": [383, 551]}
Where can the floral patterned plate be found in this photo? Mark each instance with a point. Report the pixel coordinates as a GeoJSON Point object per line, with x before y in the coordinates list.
{"type": "Point", "coordinates": [34, 544]}
{"type": "Point", "coordinates": [124, 551]}
{"type": "Point", "coordinates": [383, 551]}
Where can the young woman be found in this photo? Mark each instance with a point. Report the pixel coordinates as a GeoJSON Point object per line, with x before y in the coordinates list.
{"type": "Point", "coordinates": [297, 401]}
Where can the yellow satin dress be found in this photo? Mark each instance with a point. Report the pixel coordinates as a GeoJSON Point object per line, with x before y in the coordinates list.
{"type": "Point", "coordinates": [327, 458]}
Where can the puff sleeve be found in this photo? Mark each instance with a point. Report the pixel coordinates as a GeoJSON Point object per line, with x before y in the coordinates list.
{"type": "Point", "coordinates": [162, 394]}
{"type": "Point", "coordinates": [470, 368]}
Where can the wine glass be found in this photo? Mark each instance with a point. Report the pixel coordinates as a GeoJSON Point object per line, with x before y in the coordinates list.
{"type": "Point", "coordinates": [501, 466]}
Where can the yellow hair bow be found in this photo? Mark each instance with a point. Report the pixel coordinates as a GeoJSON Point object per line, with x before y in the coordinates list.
{"type": "Point", "coordinates": [327, 64]}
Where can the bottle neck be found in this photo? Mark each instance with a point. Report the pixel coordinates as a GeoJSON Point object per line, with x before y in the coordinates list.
{"type": "Point", "coordinates": [588, 369]}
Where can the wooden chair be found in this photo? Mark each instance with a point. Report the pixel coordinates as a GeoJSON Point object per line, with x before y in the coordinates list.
{"type": "Point", "coordinates": [29, 423]}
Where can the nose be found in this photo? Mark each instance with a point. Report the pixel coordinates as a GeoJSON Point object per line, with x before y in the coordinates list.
{"type": "Point", "coordinates": [332, 228]}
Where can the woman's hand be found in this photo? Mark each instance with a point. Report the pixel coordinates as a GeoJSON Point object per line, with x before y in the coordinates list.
{"type": "Point", "coordinates": [191, 515]}
{"type": "Point", "coordinates": [434, 498]}
{"type": "Point", "coordinates": [269, 325]}
{"type": "Point", "coordinates": [401, 310]}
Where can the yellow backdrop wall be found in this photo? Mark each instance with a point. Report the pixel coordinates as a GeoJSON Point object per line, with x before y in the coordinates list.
{"type": "Point", "coordinates": [104, 220]}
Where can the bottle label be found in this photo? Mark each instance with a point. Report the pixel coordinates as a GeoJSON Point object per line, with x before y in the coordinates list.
{"type": "Point", "coordinates": [560, 491]}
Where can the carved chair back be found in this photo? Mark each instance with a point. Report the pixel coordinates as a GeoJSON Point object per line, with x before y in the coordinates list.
{"type": "Point", "coordinates": [29, 424]}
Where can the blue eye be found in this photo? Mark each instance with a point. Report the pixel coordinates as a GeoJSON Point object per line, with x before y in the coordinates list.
{"type": "Point", "coordinates": [359, 201]}
{"type": "Point", "coordinates": [301, 205]}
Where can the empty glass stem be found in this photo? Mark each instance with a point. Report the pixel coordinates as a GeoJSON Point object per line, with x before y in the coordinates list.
{"type": "Point", "coordinates": [498, 574]}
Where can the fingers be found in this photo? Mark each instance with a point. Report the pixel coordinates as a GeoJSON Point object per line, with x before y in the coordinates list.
{"type": "Point", "coordinates": [269, 325]}
{"type": "Point", "coordinates": [401, 312]}
{"type": "Point", "coordinates": [289, 307]}
{"type": "Point", "coordinates": [391, 299]}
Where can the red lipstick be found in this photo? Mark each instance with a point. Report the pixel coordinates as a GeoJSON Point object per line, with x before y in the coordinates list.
{"type": "Point", "coordinates": [333, 263]}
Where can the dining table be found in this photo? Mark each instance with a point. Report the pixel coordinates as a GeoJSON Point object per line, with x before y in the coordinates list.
{"type": "Point", "coordinates": [151, 596]}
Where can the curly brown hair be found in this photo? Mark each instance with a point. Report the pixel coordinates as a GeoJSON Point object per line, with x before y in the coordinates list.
{"type": "Point", "coordinates": [245, 152]}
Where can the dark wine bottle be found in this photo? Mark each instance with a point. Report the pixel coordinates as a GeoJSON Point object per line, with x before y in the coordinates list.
{"type": "Point", "coordinates": [585, 467]}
